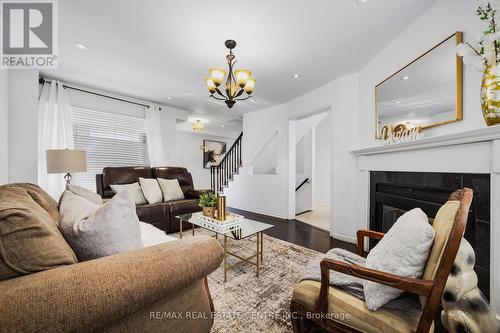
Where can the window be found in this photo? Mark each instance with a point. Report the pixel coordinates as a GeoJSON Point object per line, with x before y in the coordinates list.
{"type": "Point", "coordinates": [109, 140]}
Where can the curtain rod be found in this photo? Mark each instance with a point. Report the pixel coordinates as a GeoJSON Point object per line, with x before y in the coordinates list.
{"type": "Point", "coordinates": [43, 80]}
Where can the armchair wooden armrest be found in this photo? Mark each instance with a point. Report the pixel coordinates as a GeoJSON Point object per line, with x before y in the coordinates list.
{"type": "Point", "coordinates": [362, 233]}
{"type": "Point", "coordinates": [415, 286]}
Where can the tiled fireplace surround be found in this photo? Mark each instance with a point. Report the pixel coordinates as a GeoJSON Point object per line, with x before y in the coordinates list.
{"type": "Point", "coordinates": [459, 155]}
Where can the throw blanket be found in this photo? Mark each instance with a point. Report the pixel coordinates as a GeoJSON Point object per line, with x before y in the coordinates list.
{"type": "Point", "coordinates": [353, 285]}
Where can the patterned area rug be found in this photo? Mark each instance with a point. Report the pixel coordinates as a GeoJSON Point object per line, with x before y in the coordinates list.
{"type": "Point", "coordinates": [246, 303]}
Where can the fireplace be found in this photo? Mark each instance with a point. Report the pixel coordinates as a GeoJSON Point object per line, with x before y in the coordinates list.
{"type": "Point", "coordinates": [394, 193]}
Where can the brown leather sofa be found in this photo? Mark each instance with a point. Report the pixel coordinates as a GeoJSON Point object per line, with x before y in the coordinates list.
{"type": "Point", "coordinates": [161, 215]}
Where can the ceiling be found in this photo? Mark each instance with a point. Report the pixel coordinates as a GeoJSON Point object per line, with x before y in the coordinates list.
{"type": "Point", "coordinates": [155, 49]}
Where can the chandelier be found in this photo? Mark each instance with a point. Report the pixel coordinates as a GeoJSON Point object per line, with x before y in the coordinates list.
{"type": "Point", "coordinates": [198, 126]}
{"type": "Point", "coordinates": [237, 82]}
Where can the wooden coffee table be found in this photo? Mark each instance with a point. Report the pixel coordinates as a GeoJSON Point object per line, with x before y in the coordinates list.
{"type": "Point", "coordinates": [249, 228]}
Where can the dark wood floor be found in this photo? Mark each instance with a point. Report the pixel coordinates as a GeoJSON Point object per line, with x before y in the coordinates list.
{"type": "Point", "coordinates": [298, 232]}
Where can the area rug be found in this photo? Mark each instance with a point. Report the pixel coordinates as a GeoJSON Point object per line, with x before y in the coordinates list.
{"type": "Point", "coordinates": [246, 303]}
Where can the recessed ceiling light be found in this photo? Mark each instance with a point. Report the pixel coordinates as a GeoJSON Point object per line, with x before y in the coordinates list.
{"type": "Point", "coordinates": [296, 76]}
{"type": "Point", "coordinates": [361, 1]}
{"type": "Point", "coordinates": [405, 78]}
{"type": "Point", "coordinates": [170, 98]}
{"type": "Point", "coordinates": [80, 46]}
{"type": "Point", "coordinates": [398, 102]}
{"type": "Point", "coordinates": [223, 125]}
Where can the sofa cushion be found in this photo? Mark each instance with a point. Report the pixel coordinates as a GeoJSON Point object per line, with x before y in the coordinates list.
{"type": "Point", "coordinates": [123, 175]}
{"type": "Point", "coordinates": [30, 240]}
{"type": "Point", "coordinates": [181, 174]}
{"type": "Point", "coordinates": [179, 207]}
{"type": "Point", "coordinates": [151, 190]}
{"type": "Point", "coordinates": [87, 194]}
{"type": "Point", "coordinates": [171, 189]}
{"type": "Point", "coordinates": [95, 231]}
{"type": "Point", "coordinates": [153, 236]}
{"type": "Point", "coordinates": [156, 214]}
{"type": "Point", "coordinates": [133, 189]}
{"type": "Point", "coordinates": [352, 311]}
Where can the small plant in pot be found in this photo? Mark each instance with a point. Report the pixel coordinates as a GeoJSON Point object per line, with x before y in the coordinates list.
{"type": "Point", "coordinates": [207, 203]}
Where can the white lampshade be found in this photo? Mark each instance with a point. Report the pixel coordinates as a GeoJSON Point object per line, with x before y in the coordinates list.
{"type": "Point", "coordinates": [217, 75]}
{"type": "Point", "coordinates": [210, 85]}
{"type": "Point", "coordinates": [242, 76]}
{"type": "Point", "coordinates": [66, 161]}
{"type": "Point", "coordinates": [250, 85]}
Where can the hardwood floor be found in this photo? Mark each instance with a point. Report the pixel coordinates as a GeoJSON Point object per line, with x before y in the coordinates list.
{"type": "Point", "coordinates": [298, 232]}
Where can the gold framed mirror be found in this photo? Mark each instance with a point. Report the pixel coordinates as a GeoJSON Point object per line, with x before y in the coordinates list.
{"type": "Point", "coordinates": [425, 93]}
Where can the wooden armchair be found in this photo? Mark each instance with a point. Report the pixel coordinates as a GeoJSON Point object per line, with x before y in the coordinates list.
{"type": "Point", "coordinates": [337, 311]}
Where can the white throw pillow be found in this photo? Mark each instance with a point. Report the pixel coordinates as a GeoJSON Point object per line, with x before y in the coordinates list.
{"type": "Point", "coordinates": [403, 251]}
{"type": "Point", "coordinates": [134, 189]}
{"type": "Point", "coordinates": [171, 189]}
{"type": "Point", "coordinates": [153, 236]}
{"type": "Point", "coordinates": [87, 194]}
{"type": "Point", "coordinates": [95, 231]}
{"type": "Point", "coordinates": [151, 190]}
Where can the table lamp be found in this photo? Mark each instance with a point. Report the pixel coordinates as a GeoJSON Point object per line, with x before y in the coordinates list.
{"type": "Point", "coordinates": [66, 161]}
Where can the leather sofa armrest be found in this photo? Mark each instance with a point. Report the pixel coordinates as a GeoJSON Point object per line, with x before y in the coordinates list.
{"type": "Point", "coordinates": [88, 296]}
{"type": "Point", "coordinates": [98, 183]}
{"type": "Point", "coordinates": [195, 194]}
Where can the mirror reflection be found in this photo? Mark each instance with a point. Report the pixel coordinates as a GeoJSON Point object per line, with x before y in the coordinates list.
{"type": "Point", "coordinates": [425, 93]}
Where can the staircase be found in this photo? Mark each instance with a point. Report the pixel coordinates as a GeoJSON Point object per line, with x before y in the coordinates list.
{"type": "Point", "coordinates": [221, 174]}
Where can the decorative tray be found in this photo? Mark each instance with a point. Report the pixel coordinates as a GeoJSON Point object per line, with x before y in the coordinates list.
{"type": "Point", "coordinates": [232, 223]}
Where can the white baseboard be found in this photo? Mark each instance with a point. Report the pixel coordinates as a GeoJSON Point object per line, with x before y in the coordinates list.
{"type": "Point", "coordinates": [344, 238]}
{"type": "Point", "coordinates": [257, 211]}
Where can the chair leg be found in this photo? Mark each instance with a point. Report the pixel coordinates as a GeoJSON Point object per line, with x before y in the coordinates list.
{"type": "Point", "coordinates": [296, 325]}
{"type": "Point", "coordinates": [295, 318]}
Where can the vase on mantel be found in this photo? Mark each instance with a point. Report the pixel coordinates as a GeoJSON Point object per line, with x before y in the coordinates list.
{"type": "Point", "coordinates": [490, 95]}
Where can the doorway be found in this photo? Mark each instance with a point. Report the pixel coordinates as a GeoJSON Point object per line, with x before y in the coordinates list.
{"type": "Point", "coordinates": [313, 169]}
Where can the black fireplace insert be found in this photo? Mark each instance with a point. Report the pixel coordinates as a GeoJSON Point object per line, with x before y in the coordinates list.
{"type": "Point", "coordinates": [394, 193]}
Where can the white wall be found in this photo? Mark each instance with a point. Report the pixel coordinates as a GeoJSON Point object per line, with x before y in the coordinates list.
{"type": "Point", "coordinates": [4, 125]}
{"type": "Point", "coordinates": [275, 195]}
{"type": "Point", "coordinates": [304, 161]}
{"type": "Point", "coordinates": [190, 156]}
{"type": "Point", "coordinates": [353, 116]}
{"type": "Point", "coordinates": [437, 23]}
{"type": "Point", "coordinates": [23, 126]}
{"type": "Point", "coordinates": [323, 161]}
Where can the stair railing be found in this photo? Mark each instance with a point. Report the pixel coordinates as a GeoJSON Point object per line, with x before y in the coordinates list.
{"type": "Point", "coordinates": [221, 174]}
{"type": "Point", "coordinates": [302, 184]}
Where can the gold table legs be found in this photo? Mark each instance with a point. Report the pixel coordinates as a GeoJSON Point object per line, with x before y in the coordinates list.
{"type": "Point", "coordinates": [259, 256]}
{"type": "Point", "coordinates": [180, 229]}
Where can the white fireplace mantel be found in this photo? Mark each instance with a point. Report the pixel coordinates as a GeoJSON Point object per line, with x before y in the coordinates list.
{"type": "Point", "coordinates": [478, 135]}
{"type": "Point", "coordinates": [475, 151]}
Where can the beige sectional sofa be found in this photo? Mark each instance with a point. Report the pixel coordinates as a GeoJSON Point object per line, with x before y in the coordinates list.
{"type": "Point", "coordinates": [129, 292]}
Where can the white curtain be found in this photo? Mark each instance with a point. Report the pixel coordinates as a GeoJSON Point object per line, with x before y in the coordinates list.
{"type": "Point", "coordinates": [55, 131]}
{"type": "Point", "coordinates": [155, 140]}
